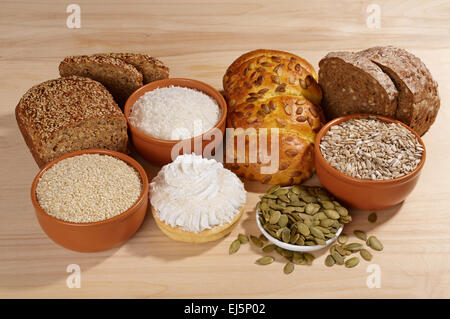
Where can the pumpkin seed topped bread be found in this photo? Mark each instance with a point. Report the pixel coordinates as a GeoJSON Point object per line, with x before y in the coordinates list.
{"type": "Point", "coordinates": [274, 89]}
{"type": "Point", "coordinates": [70, 114]}
{"type": "Point", "coordinates": [387, 81]}
{"type": "Point", "coordinates": [151, 68]}
{"type": "Point", "coordinates": [119, 77]}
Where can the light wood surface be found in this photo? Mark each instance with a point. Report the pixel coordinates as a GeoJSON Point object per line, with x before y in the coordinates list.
{"type": "Point", "coordinates": [199, 39]}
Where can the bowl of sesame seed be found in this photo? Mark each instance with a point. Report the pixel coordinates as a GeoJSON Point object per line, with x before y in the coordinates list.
{"type": "Point", "coordinates": [368, 161]}
{"type": "Point", "coordinates": [91, 200]}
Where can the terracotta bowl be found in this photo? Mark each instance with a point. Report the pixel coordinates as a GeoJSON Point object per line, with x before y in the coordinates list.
{"type": "Point", "coordinates": [363, 193]}
{"type": "Point", "coordinates": [95, 236]}
{"type": "Point", "coordinates": [158, 151]}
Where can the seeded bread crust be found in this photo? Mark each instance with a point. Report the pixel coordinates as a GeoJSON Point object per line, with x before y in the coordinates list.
{"type": "Point", "coordinates": [418, 99]}
{"type": "Point", "coordinates": [151, 68]}
{"type": "Point", "coordinates": [68, 114]}
{"type": "Point", "coordinates": [274, 89]}
{"type": "Point", "coordinates": [119, 77]}
{"type": "Point", "coordinates": [351, 83]}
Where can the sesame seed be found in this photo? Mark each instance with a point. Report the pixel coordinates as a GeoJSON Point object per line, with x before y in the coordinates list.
{"type": "Point", "coordinates": [88, 188]}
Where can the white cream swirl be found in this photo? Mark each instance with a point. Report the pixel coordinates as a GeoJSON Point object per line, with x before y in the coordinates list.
{"type": "Point", "coordinates": [195, 193]}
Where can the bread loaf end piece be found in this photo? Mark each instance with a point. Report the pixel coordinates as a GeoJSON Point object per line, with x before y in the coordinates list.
{"type": "Point", "coordinates": [351, 83]}
{"type": "Point", "coordinates": [151, 68]}
{"type": "Point", "coordinates": [119, 77]}
{"type": "Point", "coordinates": [70, 114]}
{"type": "Point", "coordinates": [418, 99]}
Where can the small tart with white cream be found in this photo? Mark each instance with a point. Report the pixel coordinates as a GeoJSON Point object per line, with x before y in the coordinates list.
{"type": "Point", "coordinates": [195, 199]}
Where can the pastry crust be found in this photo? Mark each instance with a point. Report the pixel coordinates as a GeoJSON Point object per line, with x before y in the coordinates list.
{"type": "Point", "coordinates": [274, 89]}
{"type": "Point", "coordinates": [207, 235]}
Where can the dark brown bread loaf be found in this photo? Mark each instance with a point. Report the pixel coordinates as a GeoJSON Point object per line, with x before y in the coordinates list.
{"type": "Point", "coordinates": [70, 114]}
{"type": "Point", "coordinates": [119, 77]}
{"type": "Point", "coordinates": [151, 68]}
{"type": "Point", "coordinates": [418, 98]}
{"type": "Point", "coordinates": [353, 84]}
{"type": "Point", "coordinates": [381, 80]}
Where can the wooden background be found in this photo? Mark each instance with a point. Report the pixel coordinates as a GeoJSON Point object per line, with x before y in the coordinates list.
{"type": "Point", "coordinates": [199, 39]}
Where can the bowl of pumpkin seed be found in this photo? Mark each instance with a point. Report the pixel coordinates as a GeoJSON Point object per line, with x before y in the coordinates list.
{"type": "Point", "coordinates": [300, 218]}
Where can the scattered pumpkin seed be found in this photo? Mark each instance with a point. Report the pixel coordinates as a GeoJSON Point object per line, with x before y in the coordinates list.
{"type": "Point", "coordinates": [337, 258]}
{"type": "Point", "coordinates": [243, 238]}
{"type": "Point", "coordinates": [374, 243]}
{"type": "Point", "coordinates": [255, 240]}
{"type": "Point", "coordinates": [288, 268]}
{"type": "Point", "coordinates": [263, 238]}
{"type": "Point", "coordinates": [266, 260]}
{"type": "Point", "coordinates": [372, 217]}
{"type": "Point", "coordinates": [234, 247]}
{"type": "Point", "coordinates": [365, 254]}
{"type": "Point", "coordinates": [360, 234]}
{"type": "Point", "coordinates": [342, 239]}
{"type": "Point", "coordinates": [352, 262]}
{"type": "Point", "coordinates": [329, 261]}
{"type": "Point", "coordinates": [269, 248]}
{"type": "Point", "coordinates": [353, 247]}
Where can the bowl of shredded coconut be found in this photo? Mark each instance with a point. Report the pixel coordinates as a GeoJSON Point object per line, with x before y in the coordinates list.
{"type": "Point", "coordinates": [175, 116]}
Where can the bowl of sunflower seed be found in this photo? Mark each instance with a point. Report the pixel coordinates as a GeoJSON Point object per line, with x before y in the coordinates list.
{"type": "Point", "coordinates": [300, 218]}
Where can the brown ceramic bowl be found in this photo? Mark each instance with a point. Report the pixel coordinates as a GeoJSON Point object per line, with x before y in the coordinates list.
{"type": "Point", "coordinates": [158, 151]}
{"type": "Point", "coordinates": [95, 236]}
{"type": "Point", "coordinates": [363, 193]}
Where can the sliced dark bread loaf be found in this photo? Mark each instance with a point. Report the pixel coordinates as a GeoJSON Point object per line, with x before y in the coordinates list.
{"type": "Point", "coordinates": [70, 114]}
{"type": "Point", "coordinates": [418, 99]}
{"type": "Point", "coordinates": [351, 83]}
{"type": "Point", "coordinates": [151, 68]}
{"type": "Point", "coordinates": [119, 77]}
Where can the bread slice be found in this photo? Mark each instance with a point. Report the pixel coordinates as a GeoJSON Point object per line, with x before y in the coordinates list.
{"type": "Point", "coordinates": [418, 99]}
{"type": "Point", "coordinates": [69, 114]}
{"type": "Point", "coordinates": [119, 77]}
{"type": "Point", "coordinates": [151, 68]}
{"type": "Point", "coordinates": [351, 83]}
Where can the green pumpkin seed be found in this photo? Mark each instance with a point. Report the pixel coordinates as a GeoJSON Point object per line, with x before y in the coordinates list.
{"type": "Point", "coordinates": [331, 213]}
{"type": "Point", "coordinates": [365, 254]}
{"type": "Point", "coordinates": [360, 234]}
{"type": "Point", "coordinates": [274, 217]}
{"type": "Point", "coordinates": [234, 247]}
{"type": "Point", "coordinates": [327, 222]}
{"type": "Point", "coordinates": [372, 217]}
{"type": "Point", "coordinates": [243, 238]}
{"type": "Point", "coordinates": [256, 241]}
{"type": "Point", "coordinates": [281, 191]}
{"type": "Point", "coordinates": [266, 260]}
{"type": "Point", "coordinates": [329, 261]}
{"type": "Point", "coordinates": [303, 229]}
{"type": "Point", "coordinates": [341, 250]}
{"type": "Point", "coordinates": [310, 243]}
{"type": "Point", "coordinates": [327, 204]}
{"type": "Point", "coordinates": [288, 268]}
{"type": "Point", "coordinates": [273, 189]}
{"type": "Point", "coordinates": [269, 248]}
{"type": "Point", "coordinates": [286, 235]}
{"type": "Point", "coordinates": [309, 257]}
{"type": "Point", "coordinates": [337, 258]}
{"type": "Point", "coordinates": [301, 241]}
{"type": "Point", "coordinates": [321, 242]}
{"type": "Point", "coordinates": [270, 196]}
{"type": "Point", "coordinates": [352, 262]}
{"type": "Point", "coordinates": [312, 208]}
{"type": "Point", "coordinates": [342, 239]}
{"type": "Point", "coordinates": [342, 211]}
{"type": "Point", "coordinates": [294, 239]}
{"type": "Point", "coordinates": [263, 238]}
{"type": "Point", "coordinates": [316, 232]}
{"type": "Point", "coordinates": [353, 247]}
{"type": "Point", "coordinates": [374, 243]}
{"type": "Point", "coordinates": [345, 219]}
{"type": "Point", "coordinates": [283, 220]}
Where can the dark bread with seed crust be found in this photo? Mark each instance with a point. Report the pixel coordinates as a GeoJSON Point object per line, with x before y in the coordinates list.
{"type": "Point", "coordinates": [353, 84]}
{"type": "Point", "coordinates": [119, 77]}
{"type": "Point", "coordinates": [69, 114]}
{"type": "Point", "coordinates": [418, 99]}
{"type": "Point", "coordinates": [273, 89]}
{"type": "Point", "coordinates": [403, 88]}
